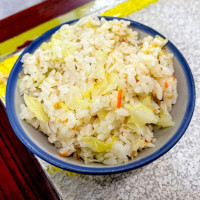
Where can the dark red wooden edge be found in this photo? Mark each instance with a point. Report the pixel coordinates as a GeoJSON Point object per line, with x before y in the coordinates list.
{"type": "Point", "coordinates": [21, 175]}
{"type": "Point", "coordinates": [20, 172]}
{"type": "Point", "coordinates": [35, 15]}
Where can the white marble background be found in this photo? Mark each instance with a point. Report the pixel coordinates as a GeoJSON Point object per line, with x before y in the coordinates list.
{"type": "Point", "coordinates": [9, 7]}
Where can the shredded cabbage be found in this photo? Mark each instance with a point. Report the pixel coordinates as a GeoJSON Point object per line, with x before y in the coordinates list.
{"type": "Point", "coordinates": [141, 114]}
{"type": "Point", "coordinates": [96, 144]}
{"type": "Point", "coordinates": [98, 86]}
{"type": "Point", "coordinates": [74, 99]}
{"type": "Point", "coordinates": [77, 103]}
{"type": "Point", "coordinates": [89, 25]}
{"type": "Point", "coordinates": [106, 85]}
{"type": "Point", "coordinates": [36, 108]}
{"type": "Point", "coordinates": [100, 70]}
{"type": "Point", "coordinates": [102, 114]}
{"type": "Point", "coordinates": [101, 58]}
{"type": "Point", "coordinates": [64, 106]}
{"type": "Point", "coordinates": [40, 83]}
{"type": "Point", "coordinates": [59, 105]}
{"type": "Point", "coordinates": [138, 143]}
{"type": "Point", "coordinates": [90, 160]}
{"type": "Point", "coordinates": [112, 83]}
{"type": "Point", "coordinates": [86, 94]}
{"type": "Point", "coordinates": [19, 81]}
{"type": "Point", "coordinates": [163, 40]}
{"type": "Point", "coordinates": [147, 101]}
{"type": "Point", "coordinates": [135, 127]}
{"type": "Point", "coordinates": [59, 49]}
{"type": "Point", "coordinates": [165, 119]}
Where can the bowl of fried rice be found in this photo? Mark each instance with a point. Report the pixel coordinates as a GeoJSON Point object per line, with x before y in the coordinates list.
{"type": "Point", "coordinates": [100, 95]}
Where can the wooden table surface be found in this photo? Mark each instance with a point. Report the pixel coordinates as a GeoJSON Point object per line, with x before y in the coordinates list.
{"type": "Point", "coordinates": [21, 176]}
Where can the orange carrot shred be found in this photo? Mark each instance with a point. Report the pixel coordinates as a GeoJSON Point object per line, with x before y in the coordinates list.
{"type": "Point", "coordinates": [119, 98]}
{"type": "Point", "coordinates": [155, 110]}
{"type": "Point", "coordinates": [166, 85]}
{"type": "Point", "coordinates": [66, 121]}
{"type": "Point", "coordinates": [173, 78]}
{"type": "Point", "coordinates": [63, 154]}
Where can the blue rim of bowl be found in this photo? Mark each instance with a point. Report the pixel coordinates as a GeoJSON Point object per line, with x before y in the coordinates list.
{"type": "Point", "coordinates": [14, 119]}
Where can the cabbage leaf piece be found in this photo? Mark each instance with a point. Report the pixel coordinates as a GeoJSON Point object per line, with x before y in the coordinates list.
{"type": "Point", "coordinates": [163, 40]}
{"type": "Point", "coordinates": [59, 49]}
{"type": "Point", "coordinates": [64, 106]}
{"type": "Point", "coordinates": [36, 108]}
{"type": "Point", "coordinates": [78, 103]}
{"type": "Point", "coordinates": [141, 114]}
{"type": "Point", "coordinates": [165, 119]}
{"type": "Point", "coordinates": [74, 99]}
{"type": "Point", "coordinates": [97, 145]}
{"type": "Point", "coordinates": [106, 85]}
{"type": "Point", "coordinates": [102, 114]}
{"type": "Point", "coordinates": [112, 83]}
{"type": "Point", "coordinates": [147, 101]}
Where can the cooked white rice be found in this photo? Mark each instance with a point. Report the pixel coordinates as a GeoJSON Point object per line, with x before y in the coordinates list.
{"type": "Point", "coordinates": [76, 79]}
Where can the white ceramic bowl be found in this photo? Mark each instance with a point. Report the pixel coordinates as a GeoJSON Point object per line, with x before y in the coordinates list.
{"type": "Point", "coordinates": [37, 142]}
